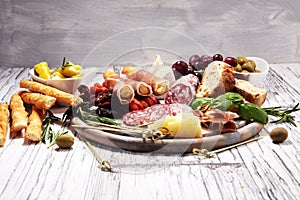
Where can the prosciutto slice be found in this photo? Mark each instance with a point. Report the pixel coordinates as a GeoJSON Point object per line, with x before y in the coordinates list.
{"type": "Point", "coordinates": [159, 86]}
{"type": "Point", "coordinates": [112, 79]}
{"type": "Point", "coordinates": [217, 120]}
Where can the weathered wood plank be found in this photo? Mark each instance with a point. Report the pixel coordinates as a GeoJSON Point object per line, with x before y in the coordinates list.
{"type": "Point", "coordinates": [258, 170]}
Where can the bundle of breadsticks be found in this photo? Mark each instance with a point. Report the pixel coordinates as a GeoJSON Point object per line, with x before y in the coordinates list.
{"type": "Point", "coordinates": [42, 98]}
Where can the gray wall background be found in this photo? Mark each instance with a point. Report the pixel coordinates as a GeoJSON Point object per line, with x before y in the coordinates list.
{"type": "Point", "coordinates": [38, 30]}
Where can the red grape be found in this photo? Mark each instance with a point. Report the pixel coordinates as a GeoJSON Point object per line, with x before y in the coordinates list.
{"type": "Point", "coordinates": [205, 60]}
{"type": "Point", "coordinates": [191, 70]}
{"type": "Point", "coordinates": [195, 62]}
{"type": "Point", "coordinates": [231, 61]}
{"type": "Point", "coordinates": [199, 75]}
{"type": "Point", "coordinates": [218, 57]}
{"type": "Point", "coordinates": [181, 67]}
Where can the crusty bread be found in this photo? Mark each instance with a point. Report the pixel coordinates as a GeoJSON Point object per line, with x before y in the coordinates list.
{"type": "Point", "coordinates": [18, 113]}
{"type": "Point", "coordinates": [60, 96]}
{"type": "Point", "coordinates": [251, 92]}
{"type": "Point", "coordinates": [35, 122]}
{"type": "Point", "coordinates": [218, 78]}
{"type": "Point", "coordinates": [4, 121]}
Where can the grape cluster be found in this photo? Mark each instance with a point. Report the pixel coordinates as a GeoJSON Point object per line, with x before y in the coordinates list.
{"type": "Point", "coordinates": [195, 66]}
{"type": "Point", "coordinates": [229, 60]}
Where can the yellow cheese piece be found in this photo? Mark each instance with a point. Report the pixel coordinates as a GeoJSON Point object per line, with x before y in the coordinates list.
{"type": "Point", "coordinates": [184, 125]}
{"type": "Point", "coordinates": [190, 127]}
{"type": "Point", "coordinates": [172, 123]}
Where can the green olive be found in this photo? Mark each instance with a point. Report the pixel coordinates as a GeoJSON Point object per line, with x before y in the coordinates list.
{"type": "Point", "coordinates": [245, 71]}
{"type": "Point", "coordinates": [238, 68]}
{"type": "Point", "coordinates": [65, 141]}
{"type": "Point", "coordinates": [248, 66]}
{"type": "Point", "coordinates": [253, 63]}
{"type": "Point", "coordinates": [241, 60]}
{"type": "Point", "coordinates": [279, 134]}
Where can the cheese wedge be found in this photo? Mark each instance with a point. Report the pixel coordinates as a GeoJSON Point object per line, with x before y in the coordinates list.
{"type": "Point", "coordinates": [185, 125]}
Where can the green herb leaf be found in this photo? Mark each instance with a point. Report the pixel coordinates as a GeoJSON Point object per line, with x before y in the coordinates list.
{"type": "Point", "coordinates": [198, 103]}
{"type": "Point", "coordinates": [48, 135]}
{"type": "Point", "coordinates": [252, 111]}
{"type": "Point", "coordinates": [63, 63]}
{"type": "Point", "coordinates": [222, 104]}
{"type": "Point", "coordinates": [84, 113]}
{"type": "Point", "coordinates": [234, 97]}
{"type": "Point", "coordinates": [284, 114]}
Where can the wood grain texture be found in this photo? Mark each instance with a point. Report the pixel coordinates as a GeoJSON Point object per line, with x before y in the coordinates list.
{"type": "Point", "coordinates": [34, 30]}
{"type": "Point", "coordinates": [258, 170]}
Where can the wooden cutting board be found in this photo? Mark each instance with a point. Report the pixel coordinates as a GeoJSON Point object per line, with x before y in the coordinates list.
{"type": "Point", "coordinates": [176, 145]}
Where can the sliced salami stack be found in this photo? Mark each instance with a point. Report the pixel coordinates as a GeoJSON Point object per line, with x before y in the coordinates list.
{"type": "Point", "coordinates": [154, 113]}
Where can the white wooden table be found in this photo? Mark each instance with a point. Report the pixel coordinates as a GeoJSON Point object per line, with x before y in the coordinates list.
{"type": "Point", "coordinates": [257, 170]}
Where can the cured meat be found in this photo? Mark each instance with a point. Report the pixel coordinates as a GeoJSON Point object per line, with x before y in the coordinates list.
{"type": "Point", "coordinates": [183, 90]}
{"type": "Point", "coordinates": [159, 86]}
{"type": "Point", "coordinates": [124, 92]}
{"type": "Point", "coordinates": [142, 102]}
{"type": "Point", "coordinates": [217, 120]}
{"type": "Point", "coordinates": [112, 79]}
{"type": "Point", "coordinates": [154, 113]}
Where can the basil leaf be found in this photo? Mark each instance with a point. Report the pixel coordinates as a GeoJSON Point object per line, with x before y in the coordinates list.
{"type": "Point", "coordinates": [252, 111]}
{"type": "Point", "coordinates": [234, 97]}
{"type": "Point", "coordinates": [222, 105]}
{"type": "Point", "coordinates": [226, 101]}
{"type": "Point", "coordinates": [198, 103]}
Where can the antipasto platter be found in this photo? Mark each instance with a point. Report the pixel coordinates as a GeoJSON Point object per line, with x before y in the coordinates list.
{"type": "Point", "coordinates": [160, 109]}
{"type": "Point", "coordinates": [173, 109]}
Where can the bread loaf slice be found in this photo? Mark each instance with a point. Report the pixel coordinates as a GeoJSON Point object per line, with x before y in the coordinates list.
{"type": "Point", "coordinates": [218, 78]}
{"type": "Point", "coordinates": [250, 92]}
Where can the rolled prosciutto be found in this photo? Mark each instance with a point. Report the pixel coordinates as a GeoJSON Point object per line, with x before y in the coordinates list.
{"type": "Point", "coordinates": [141, 88]}
{"type": "Point", "coordinates": [159, 86]}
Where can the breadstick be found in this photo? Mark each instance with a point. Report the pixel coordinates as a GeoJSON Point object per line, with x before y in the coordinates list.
{"type": "Point", "coordinates": [60, 96]}
{"type": "Point", "coordinates": [18, 113]}
{"type": "Point", "coordinates": [35, 122]}
{"type": "Point", "coordinates": [4, 120]}
{"type": "Point", "coordinates": [40, 101]}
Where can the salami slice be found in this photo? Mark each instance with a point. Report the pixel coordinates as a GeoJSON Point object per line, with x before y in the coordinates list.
{"type": "Point", "coordinates": [183, 90]}
{"type": "Point", "coordinates": [154, 113]}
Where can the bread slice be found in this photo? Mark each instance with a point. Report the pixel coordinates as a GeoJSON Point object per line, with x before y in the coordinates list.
{"type": "Point", "coordinates": [218, 78]}
{"type": "Point", "coordinates": [250, 92]}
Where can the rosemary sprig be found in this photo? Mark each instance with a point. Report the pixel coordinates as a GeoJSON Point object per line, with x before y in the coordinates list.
{"type": "Point", "coordinates": [87, 116]}
{"type": "Point", "coordinates": [83, 112]}
{"type": "Point", "coordinates": [48, 135]}
{"type": "Point", "coordinates": [63, 63]}
{"type": "Point", "coordinates": [284, 114]}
